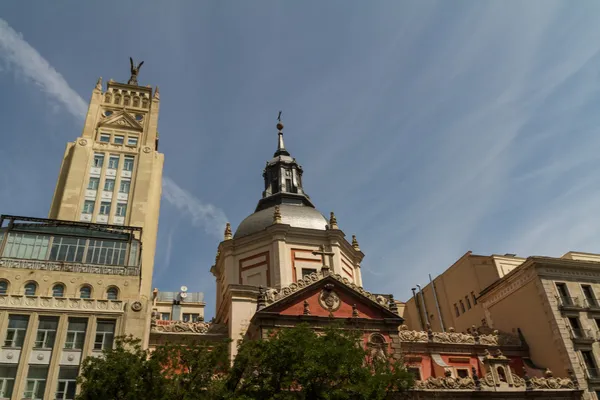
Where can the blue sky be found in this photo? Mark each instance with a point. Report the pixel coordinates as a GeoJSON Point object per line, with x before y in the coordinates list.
{"type": "Point", "coordinates": [430, 128]}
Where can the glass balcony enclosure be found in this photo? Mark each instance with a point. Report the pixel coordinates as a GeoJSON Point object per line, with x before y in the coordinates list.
{"type": "Point", "coordinates": [69, 242]}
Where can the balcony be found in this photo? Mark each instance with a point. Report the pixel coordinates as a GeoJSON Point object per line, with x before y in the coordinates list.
{"type": "Point", "coordinates": [593, 375]}
{"type": "Point", "coordinates": [62, 304]}
{"type": "Point", "coordinates": [592, 304]}
{"type": "Point", "coordinates": [570, 303]}
{"type": "Point", "coordinates": [582, 336]}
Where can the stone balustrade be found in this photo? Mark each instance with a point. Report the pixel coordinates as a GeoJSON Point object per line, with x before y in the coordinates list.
{"type": "Point", "coordinates": [46, 265]}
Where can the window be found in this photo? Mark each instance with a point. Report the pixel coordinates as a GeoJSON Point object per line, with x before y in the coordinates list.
{"type": "Point", "coordinates": [128, 163]}
{"type": "Point", "coordinates": [104, 208]}
{"type": "Point", "coordinates": [307, 271]}
{"type": "Point", "coordinates": [121, 210]}
{"type": "Point", "coordinates": [474, 298]}
{"type": "Point", "coordinates": [126, 100]}
{"type": "Point", "coordinates": [105, 331]}
{"type": "Point", "coordinates": [98, 160]}
{"type": "Point", "coordinates": [93, 183]}
{"type": "Point", "coordinates": [415, 372]}
{"type": "Point", "coordinates": [112, 293]}
{"type": "Point", "coordinates": [119, 139]}
{"type": "Point", "coordinates": [288, 185]}
{"type": "Point", "coordinates": [67, 249]}
{"type": "Point", "coordinates": [58, 290]}
{"type": "Point", "coordinates": [576, 327]}
{"type": "Point", "coordinates": [132, 141]}
{"type": "Point", "coordinates": [88, 206]}
{"type": "Point", "coordinates": [106, 252]}
{"type": "Point", "coordinates": [105, 138]}
{"type": "Point", "coordinates": [26, 245]}
{"type": "Point", "coordinates": [124, 187]}
{"type": "Point", "coordinates": [3, 287]}
{"type": "Point", "coordinates": [462, 372]}
{"type": "Point", "coordinates": [468, 302]}
{"type": "Point", "coordinates": [76, 333]}
{"type": "Point", "coordinates": [590, 363]}
{"type": "Point", "coordinates": [85, 292]}
{"type": "Point", "coordinates": [30, 288]}
{"type": "Point", "coordinates": [563, 292]}
{"type": "Point", "coordinates": [113, 162]}
{"type": "Point", "coordinates": [46, 332]}
{"type": "Point", "coordinates": [67, 383]}
{"type": "Point", "coordinates": [17, 327]}
{"type": "Point", "coordinates": [36, 382]}
{"type": "Point", "coordinates": [7, 380]}
{"type": "Point", "coordinates": [165, 316]}
{"type": "Point", "coordinates": [590, 297]}
{"type": "Point", "coordinates": [109, 185]}
{"type": "Point", "coordinates": [191, 317]}
{"type": "Point", "coordinates": [462, 306]}
{"type": "Point", "coordinates": [456, 310]}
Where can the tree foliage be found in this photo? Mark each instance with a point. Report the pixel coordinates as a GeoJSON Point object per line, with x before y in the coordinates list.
{"type": "Point", "coordinates": [294, 363]}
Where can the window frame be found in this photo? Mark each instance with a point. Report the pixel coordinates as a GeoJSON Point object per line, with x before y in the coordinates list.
{"type": "Point", "coordinates": [104, 208]}
{"type": "Point", "coordinates": [86, 209]}
{"type": "Point", "coordinates": [78, 336]}
{"type": "Point", "coordinates": [132, 141]}
{"type": "Point", "coordinates": [104, 135]}
{"type": "Point", "coordinates": [89, 294]}
{"type": "Point", "coordinates": [47, 334]}
{"type": "Point", "coordinates": [98, 160]}
{"type": "Point", "coordinates": [26, 287]}
{"type": "Point", "coordinates": [112, 289]}
{"type": "Point", "coordinates": [106, 183]}
{"type": "Point", "coordinates": [96, 180]}
{"type": "Point", "coordinates": [128, 162]}
{"type": "Point", "coordinates": [6, 380]}
{"type": "Point", "coordinates": [121, 185]}
{"type": "Point", "coordinates": [104, 343]}
{"type": "Point", "coordinates": [17, 335]}
{"type": "Point", "coordinates": [123, 207]}
{"type": "Point", "coordinates": [113, 161]}
{"type": "Point", "coordinates": [4, 286]}
{"type": "Point", "coordinates": [39, 384]}
{"type": "Point", "coordinates": [118, 139]}
{"type": "Point", "coordinates": [61, 286]}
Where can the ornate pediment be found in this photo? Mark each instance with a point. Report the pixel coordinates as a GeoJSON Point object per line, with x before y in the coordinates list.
{"type": "Point", "coordinates": [121, 120]}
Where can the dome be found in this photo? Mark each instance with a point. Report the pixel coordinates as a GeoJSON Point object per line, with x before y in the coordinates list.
{"type": "Point", "coordinates": [298, 216]}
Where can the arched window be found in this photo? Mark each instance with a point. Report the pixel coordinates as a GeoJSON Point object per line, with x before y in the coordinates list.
{"type": "Point", "coordinates": [136, 101]}
{"type": "Point", "coordinates": [85, 292]}
{"type": "Point", "coordinates": [107, 98]}
{"type": "Point", "coordinates": [145, 103]}
{"type": "Point", "coordinates": [117, 98]}
{"type": "Point", "coordinates": [3, 287]}
{"type": "Point", "coordinates": [58, 290]}
{"type": "Point", "coordinates": [30, 289]}
{"type": "Point", "coordinates": [112, 293]}
{"type": "Point", "coordinates": [501, 374]}
{"type": "Point", "coordinates": [126, 100]}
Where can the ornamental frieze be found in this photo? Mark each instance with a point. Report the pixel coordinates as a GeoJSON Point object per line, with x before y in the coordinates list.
{"type": "Point", "coordinates": [451, 337]}
{"type": "Point", "coordinates": [61, 304]}
{"type": "Point", "coordinates": [68, 267]}
{"type": "Point", "coordinates": [187, 327]}
{"type": "Point", "coordinates": [446, 382]}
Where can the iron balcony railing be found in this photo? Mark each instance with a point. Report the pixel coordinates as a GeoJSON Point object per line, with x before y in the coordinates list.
{"type": "Point", "coordinates": [578, 334]}
{"type": "Point", "coordinates": [569, 303]}
{"type": "Point", "coordinates": [592, 303]}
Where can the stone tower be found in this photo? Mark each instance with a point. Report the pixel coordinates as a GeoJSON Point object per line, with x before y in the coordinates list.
{"type": "Point", "coordinates": [112, 173]}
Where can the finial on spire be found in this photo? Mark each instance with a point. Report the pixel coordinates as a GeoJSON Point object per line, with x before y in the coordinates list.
{"type": "Point", "coordinates": [333, 221]}
{"type": "Point", "coordinates": [156, 94]}
{"type": "Point", "coordinates": [228, 235]}
{"type": "Point", "coordinates": [99, 84]}
{"type": "Point", "coordinates": [135, 70]}
{"type": "Point", "coordinates": [355, 243]}
{"type": "Point", "coordinates": [277, 215]}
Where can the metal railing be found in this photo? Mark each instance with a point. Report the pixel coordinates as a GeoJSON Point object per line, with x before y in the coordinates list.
{"type": "Point", "coordinates": [582, 334]}
{"type": "Point", "coordinates": [567, 302]}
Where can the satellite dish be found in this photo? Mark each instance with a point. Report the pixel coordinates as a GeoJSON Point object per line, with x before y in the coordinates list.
{"type": "Point", "coordinates": [183, 295]}
{"type": "Point", "coordinates": [184, 288]}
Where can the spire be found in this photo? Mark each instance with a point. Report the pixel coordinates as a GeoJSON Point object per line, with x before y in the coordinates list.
{"type": "Point", "coordinates": [283, 178]}
{"type": "Point", "coordinates": [333, 221]}
{"type": "Point", "coordinates": [281, 151]}
{"type": "Point", "coordinates": [99, 84]}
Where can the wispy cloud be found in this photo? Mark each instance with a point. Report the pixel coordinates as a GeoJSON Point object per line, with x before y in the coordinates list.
{"type": "Point", "coordinates": [28, 63]}
{"type": "Point", "coordinates": [203, 215]}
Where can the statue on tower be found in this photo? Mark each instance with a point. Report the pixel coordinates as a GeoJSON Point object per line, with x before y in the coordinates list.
{"type": "Point", "coordinates": [134, 72]}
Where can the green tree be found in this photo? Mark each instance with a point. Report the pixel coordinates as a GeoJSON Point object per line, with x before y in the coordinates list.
{"type": "Point", "coordinates": [123, 373]}
{"type": "Point", "coordinates": [298, 363]}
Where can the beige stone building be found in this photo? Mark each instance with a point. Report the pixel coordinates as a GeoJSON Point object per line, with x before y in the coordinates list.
{"type": "Point", "coordinates": [71, 283]}
{"type": "Point", "coordinates": [552, 303]}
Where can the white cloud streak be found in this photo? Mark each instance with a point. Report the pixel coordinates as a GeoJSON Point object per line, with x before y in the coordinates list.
{"type": "Point", "coordinates": [26, 62]}
{"type": "Point", "coordinates": [203, 215]}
